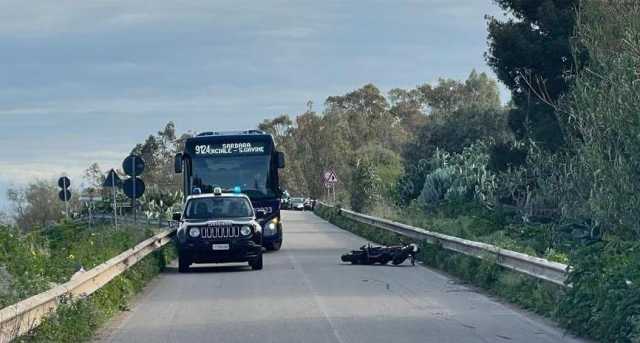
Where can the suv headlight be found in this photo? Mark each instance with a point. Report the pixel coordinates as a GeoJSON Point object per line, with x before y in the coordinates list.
{"type": "Point", "coordinates": [245, 230]}
{"type": "Point", "coordinates": [194, 232]}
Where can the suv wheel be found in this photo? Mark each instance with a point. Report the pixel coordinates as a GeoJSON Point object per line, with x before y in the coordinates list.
{"type": "Point", "coordinates": [257, 263]}
{"type": "Point", "coordinates": [274, 246]}
{"type": "Point", "coordinates": [183, 263]}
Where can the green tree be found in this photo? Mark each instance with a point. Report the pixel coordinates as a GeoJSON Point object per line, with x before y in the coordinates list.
{"type": "Point", "coordinates": [459, 114]}
{"type": "Point", "coordinates": [363, 116]}
{"type": "Point", "coordinates": [447, 96]}
{"type": "Point", "coordinates": [364, 186]}
{"type": "Point", "coordinates": [280, 128]}
{"type": "Point", "coordinates": [531, 54]}
{"type": "Point", "coordinates": [158, 152]}
{"type": "Point", "coordinates": [602, 181]}
{"type": "Point", "coordinates": [94, 176]}
{"type": "Point", "coordinates": [409, 106]}
{"type": "Point", "coordinates": [36, 204]}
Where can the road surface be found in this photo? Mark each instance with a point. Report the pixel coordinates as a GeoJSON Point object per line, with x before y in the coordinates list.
{"type": "Point", "coordinates": [304, 295]}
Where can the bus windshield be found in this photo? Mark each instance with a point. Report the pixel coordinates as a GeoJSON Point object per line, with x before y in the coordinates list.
{"type": "Point", "coordinates": [250, 173]}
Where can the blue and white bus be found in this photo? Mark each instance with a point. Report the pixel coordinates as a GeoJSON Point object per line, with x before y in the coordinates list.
{"type": "Point", "coordinates": [237, 161]}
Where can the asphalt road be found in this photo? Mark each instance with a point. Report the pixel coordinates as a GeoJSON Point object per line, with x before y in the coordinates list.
{"type": "Point", "coordinates": [304, 295]}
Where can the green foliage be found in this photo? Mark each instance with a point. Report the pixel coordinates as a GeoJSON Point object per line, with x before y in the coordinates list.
{"type": "Point", "coordinates": [33, 263]}
{"type": "Point", "coordinates": [531, 54]}
{"type": "Point", "coordinates": [77, 321]}
{"type": "Point", "coordinates": [363, 133]}
{"type": "Point", "coordinates": [36, 204]}
{"type": "Point", "coordinates": [365, 185]}
{"type": "Point", "coordinates": [37, 260]}
{"type": "Point", "coordinates": [158, 152]}
{"type": "Point", "coordinates": [24, 264]}
{"type": "Point", "coordinates": [159, 204]}
{"type": "Point", "coordinates": [603, 115]}
{"type": "Point", "coordinates": [459, 178]}
{"type": "Point", "coordinates": [458, 118]}
{"type": "Point", "coordinates": [436, 186]}
{"type": "Point", "coordinates": [604, 301]}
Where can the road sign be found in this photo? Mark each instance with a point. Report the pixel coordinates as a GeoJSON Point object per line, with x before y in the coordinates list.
{"type": "Point", "coordinates": [133, 165]}
{"type": "Point", "coordinates": [90, 199]}
{"type": "Point", "coordinates": [64, 182]}
{"type": "Point", "coordinates": [130, 188]}
{"type": "Point", "coordinates": [64, 195]}
{"type": "Point", "coordinates": [330, 177]}
{"type": "Point", "coordinates": [112, 179]}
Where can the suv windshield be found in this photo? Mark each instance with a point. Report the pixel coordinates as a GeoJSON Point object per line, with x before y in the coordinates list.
{"type": "Point", "coordinates": [220, 207]}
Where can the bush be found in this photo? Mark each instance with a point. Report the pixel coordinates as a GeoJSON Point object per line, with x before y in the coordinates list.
{"type": "Point", "coordinates": [604, 301]}
{"type": "Point", "coordinates": [365, 185]}
{"type": "Point", "coordinates": [436, 186]}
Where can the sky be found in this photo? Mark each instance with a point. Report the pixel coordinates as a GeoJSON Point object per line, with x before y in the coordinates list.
{"type": "Point", "coordinates": [84, 81]}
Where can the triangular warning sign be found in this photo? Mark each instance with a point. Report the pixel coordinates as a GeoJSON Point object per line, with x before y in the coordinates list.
{"type": "Point", "coordinates": [112, 179]}
{"type": "Point", "coordinates": [332, 178]}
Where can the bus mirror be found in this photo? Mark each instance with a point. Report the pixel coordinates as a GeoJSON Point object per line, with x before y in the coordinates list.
{"type": "Point", "coordinates": [280, 159]}
{"type": "Point", "coordinates": [177, 165]}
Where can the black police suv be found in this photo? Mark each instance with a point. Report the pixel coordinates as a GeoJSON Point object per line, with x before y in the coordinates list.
{"type": "Point", "coordinates": [218, 228]}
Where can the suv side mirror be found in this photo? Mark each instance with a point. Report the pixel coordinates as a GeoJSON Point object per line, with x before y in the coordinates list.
{"type": "Point", "coordinates": [280, 159]}
{"type": "Point", "coordinates": [177, 164]}
{"type": "Point", "coordinates": [176, 216]}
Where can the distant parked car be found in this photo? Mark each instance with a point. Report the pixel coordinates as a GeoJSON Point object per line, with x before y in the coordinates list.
{"type": "Point", "coordinates": [285, 203]}
{"type": "Point", "coordinates": [309, 204]}
{"type": "Point", "coordinates": [297, 204]}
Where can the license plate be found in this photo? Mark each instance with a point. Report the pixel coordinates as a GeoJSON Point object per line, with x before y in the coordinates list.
{"type": "Point", "coordinates": [220, 247]}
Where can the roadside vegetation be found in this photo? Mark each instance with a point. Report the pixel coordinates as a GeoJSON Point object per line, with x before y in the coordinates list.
{"type": "Point", "coordinates": [33, 262]}
{"type": "Point", "coordinates": [553, 174]}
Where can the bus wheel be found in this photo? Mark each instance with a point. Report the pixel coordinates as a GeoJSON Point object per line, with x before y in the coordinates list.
{"type": "Point", "coordinates": [274, 246]}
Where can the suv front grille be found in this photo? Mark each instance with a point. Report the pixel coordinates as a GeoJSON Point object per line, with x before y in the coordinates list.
{"type": "Point", "coordinates": [219, 231]}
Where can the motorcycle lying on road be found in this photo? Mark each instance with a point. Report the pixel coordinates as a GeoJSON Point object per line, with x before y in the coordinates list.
{"type": "Point", "coordinates": [368, 254]}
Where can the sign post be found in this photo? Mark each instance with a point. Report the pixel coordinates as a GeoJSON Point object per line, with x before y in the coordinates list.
{"type": "Point", "coordinates": [330, 180]}
{"type": "Point", "coordinates": [90, 200]}
{"type": "Point", "coordinates": [133, 187]}
{"type": "Point", "coordinates": [111, 181]}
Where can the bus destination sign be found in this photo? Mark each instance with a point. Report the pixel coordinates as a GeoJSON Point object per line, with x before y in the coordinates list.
{"type": "Point", "coordinates": [230, 148]}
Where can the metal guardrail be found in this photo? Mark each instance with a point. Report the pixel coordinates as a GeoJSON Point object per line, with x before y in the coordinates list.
{"type": "Point", "coordinates": [536, 267]}
{"type": "Point", "coordinates": [20, 318]}
{"type": "Point", "coordinates": [108, 218]}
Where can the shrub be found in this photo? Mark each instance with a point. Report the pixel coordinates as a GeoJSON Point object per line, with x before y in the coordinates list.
{"type": "Point", "coordinates": [604, 301]}
{"type": "Point", "coordinates": [436, 186]}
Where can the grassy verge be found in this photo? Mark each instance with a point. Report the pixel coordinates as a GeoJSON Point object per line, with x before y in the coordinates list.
{"type": "Point", "coordinates": [529, 293]}
{"type": "Point", "coordinates": [32, 263]}
{"type": "Point", "coordinates": [474, 222]}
